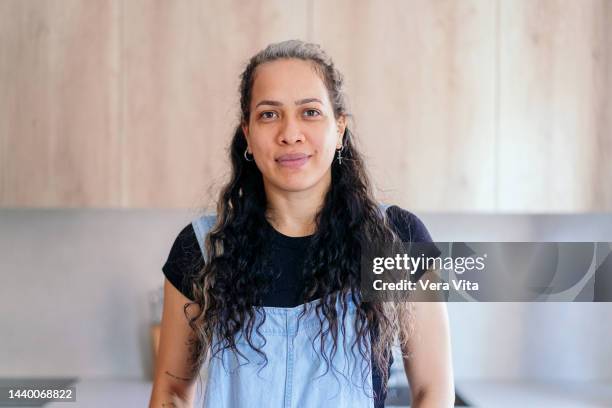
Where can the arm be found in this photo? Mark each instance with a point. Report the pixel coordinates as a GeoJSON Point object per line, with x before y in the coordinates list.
{"type": "Point", "coordinates": [173, 385]}
{"type": "Point", "coordinates": [429, 365]}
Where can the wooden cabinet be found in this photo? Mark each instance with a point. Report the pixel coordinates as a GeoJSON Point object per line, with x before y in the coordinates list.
{"type": "Point", "coordinates": [472, 105]}
{"type": "Point", "coordinates": [555, 106]}
{"type": "Point", "coordinates": [60, 112]}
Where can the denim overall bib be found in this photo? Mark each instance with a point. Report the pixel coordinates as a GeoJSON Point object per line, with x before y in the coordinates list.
{"type": "Point", "coordinates": [296, 374]}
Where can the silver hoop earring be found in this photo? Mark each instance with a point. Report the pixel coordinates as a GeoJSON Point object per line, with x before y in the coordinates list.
{"type": "Point", "coordinates": [340, 154]}
{"type": "Point", "coordinates": [245, 155]}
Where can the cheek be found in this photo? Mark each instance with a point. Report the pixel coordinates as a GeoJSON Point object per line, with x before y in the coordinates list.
{"type": "Point", "coordinates": [261, 143]}
{"type": "Point", "coordinates": [329, 143]}
{"type": "Point", "coordinates": [326, 138]}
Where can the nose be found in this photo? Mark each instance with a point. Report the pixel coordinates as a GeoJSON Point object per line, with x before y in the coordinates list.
{"type": "Point", "coordinates": [290, 132]}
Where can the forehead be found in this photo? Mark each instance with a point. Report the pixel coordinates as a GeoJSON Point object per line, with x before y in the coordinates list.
{"type": "Point", "coordinates": [288, 80]}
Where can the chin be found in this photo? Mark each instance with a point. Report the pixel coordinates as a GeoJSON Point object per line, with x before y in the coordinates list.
{"type": "Point", "coordinates": [295, 183]}
{"type": "Point", "coordinates": [298, 181]}
{"type": "Point", "coordinates": [296, 186]}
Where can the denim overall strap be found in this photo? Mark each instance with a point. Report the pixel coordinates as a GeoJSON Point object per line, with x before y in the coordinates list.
{"type": "Point", "coordinates": [201, 226]}
{"type": "Point", "coordinates": [383, 208]}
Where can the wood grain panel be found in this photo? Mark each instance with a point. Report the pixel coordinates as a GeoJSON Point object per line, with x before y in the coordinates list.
{"type": "Point", "coordinates": [182, 61]}
{"type": "Point", "coordinates": [57, 74]}
{"type": "Point", "coordinates": [555, 123]}
{"type": "Point", "coordinates": [459, 106]}
{"type": "Point", "coordinates": [5, 33]}
{"type": "Point", "coordinates": [421, 78]}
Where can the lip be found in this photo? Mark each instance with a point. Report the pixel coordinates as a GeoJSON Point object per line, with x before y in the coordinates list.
{"type": "Point", "coordinates": [293, 160]}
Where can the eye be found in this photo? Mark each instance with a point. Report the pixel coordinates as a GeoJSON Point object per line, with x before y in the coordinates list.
{"type": "Point", "coordinates": [312, 112]}
{"type": "Point", "coordinates": [267, 115]}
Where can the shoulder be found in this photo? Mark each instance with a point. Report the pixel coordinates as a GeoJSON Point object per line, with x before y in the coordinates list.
{"type": "Point", "coordinates": [407, 225]}
{"type": "Point", "coordinates": [186, 254]}
{"type": "Point", "coordinates": [184, 260]}
{"type": "Point", "coordinates": [185, 244]}
{"type": "Point", "coordinates": [410, 228]}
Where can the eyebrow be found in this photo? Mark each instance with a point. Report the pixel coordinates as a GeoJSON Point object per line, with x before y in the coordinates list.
{"type": "Point", "coordinates": [298, 102]}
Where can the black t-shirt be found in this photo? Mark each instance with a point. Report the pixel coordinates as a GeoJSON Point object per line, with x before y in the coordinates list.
{"type": "Point", "coordinates": [288, 255]}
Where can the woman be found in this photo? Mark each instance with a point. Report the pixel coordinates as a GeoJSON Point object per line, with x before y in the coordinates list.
{"type": "Point", "coordinates": [268, 290]}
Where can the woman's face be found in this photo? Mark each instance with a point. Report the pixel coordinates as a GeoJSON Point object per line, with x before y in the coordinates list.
{"type": "Point", "coordinates": [292, 132]}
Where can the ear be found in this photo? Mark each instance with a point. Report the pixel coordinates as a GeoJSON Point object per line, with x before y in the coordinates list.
{"type": "Point", "coordinates": [245, 130]}
{"type": "Point", "coordinates": [341, 125]}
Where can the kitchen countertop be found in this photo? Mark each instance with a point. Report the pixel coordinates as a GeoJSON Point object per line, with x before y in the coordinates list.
{"type": "Point", "coordinates": [132, 393]}
{"type": "Point", "coordinates": [511, 394]}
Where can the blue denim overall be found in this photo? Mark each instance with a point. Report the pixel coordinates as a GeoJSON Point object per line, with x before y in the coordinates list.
{"type": "Point", "coordinates": [296, 374]}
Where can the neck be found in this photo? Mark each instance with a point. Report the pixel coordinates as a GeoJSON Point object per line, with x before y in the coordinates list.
{"type": "Point", "coordinates": [292, 213]}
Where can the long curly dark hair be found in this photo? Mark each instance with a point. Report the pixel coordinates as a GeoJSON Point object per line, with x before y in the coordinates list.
{"type": "Point", "coordinates": [229, 288]}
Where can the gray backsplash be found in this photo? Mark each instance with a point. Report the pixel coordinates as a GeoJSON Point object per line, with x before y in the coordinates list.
{"type": "Point", "coordinates": [78, 287]}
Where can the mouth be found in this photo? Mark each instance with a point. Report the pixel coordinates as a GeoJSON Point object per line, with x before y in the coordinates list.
{"type": "Point", "coordinates": [293, 160]}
